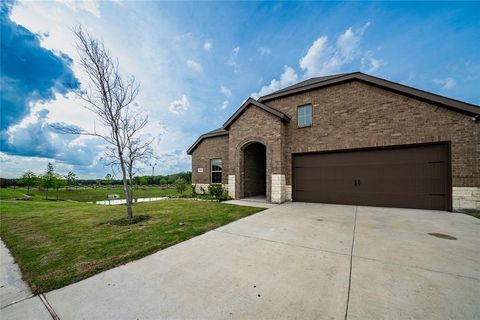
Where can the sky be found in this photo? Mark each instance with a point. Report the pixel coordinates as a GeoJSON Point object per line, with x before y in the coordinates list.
{"type": "Point", "coordinates": [197, 62]}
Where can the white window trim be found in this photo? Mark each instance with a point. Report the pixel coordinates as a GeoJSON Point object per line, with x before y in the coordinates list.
{"type": "Point", "coordinates": [311, 116]}
{"type": "Point", "coordinates": [211, 171]}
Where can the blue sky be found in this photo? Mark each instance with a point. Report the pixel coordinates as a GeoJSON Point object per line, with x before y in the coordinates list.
{"type": "Point", "coordinates": [198, 61]}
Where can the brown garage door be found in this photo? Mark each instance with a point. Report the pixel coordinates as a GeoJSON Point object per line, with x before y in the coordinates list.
{"type": "Point", "coordinates": [403, 177]}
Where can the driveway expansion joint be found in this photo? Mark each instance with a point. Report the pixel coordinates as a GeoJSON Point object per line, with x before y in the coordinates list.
{"type": "Point", "coordinates": [17, 301]}
{"type": "Point", "coordinates": [48, 307]}
{"type": "Point", "coordinates": [351, 263]}
{"type": "Point", "coordinates": [417, 267]}
{"type": "Point", "coordinates": [283, 243]}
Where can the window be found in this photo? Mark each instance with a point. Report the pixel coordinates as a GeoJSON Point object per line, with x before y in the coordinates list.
{"type": "Point", "coordinates": [216, 166]}
{"type": "Point", "coordinates": [304, 114]}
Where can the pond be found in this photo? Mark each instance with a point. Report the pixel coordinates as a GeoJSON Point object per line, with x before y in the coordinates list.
{"type": "Point", "coordinates": [114, 202]}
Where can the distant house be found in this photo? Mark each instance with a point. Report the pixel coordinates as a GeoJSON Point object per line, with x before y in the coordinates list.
{"type": "Point", "coordinates": [347, 139]}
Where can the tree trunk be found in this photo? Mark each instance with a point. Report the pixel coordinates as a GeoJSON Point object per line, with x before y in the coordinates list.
{"type": "Point", "coordinates": [126, 186]}
{"type": "Point", "coordinates": [46, 193]}
{"type": "Point", "coordinates": [57, 194]}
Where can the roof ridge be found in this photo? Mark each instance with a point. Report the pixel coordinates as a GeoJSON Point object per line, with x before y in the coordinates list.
{"type": "Point", "coordinates": [312, 80]}
{"type": "Point", "coordinates": [449, 103]}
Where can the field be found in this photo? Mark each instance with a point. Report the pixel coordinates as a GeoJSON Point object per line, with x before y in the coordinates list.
{"type": "Point", "coordinates": [58, 243]}
{"type": "Point", "coordinates": [91, 193]}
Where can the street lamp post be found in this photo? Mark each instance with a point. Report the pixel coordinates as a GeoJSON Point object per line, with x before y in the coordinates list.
{"type": "Point", "coordinates": [153, 172]}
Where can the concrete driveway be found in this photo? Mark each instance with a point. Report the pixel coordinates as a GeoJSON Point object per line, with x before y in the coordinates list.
{"type": "Point", "coordinates": [295, 261]}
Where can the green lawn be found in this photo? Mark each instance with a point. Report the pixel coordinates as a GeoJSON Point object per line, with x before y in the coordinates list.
{"type": "Point", "coordinates": [57, 243]}
{"type": "Point", "coordinates": [471, 212]}
{"type": "Point", "coordinates": [91, 194]}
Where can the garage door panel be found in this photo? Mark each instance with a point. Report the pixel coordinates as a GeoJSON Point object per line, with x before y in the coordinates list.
{"type": "Point", "coordinates": [415, 177]}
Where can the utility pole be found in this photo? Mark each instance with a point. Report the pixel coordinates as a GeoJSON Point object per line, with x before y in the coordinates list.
{"type": "Point", "coordinates": [153, 172]}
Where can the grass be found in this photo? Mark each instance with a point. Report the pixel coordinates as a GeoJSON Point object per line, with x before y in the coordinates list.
{"type": "Point", "coordinates": [471, 212]}
{"type": "Point", "coordinates": [91, 194]}
{"type": "Point", "coordinates": [58, 243]}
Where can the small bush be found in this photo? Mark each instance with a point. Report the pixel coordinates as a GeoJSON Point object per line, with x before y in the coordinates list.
{"type": "Point", "coordinates": [215, 190]}
{"type": "Point", "coordinates": [194, 190]}
{"type": "Point", "coordinates": [181, 185]}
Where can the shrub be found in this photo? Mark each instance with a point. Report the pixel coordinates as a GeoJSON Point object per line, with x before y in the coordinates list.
{"type": "Point", "coordinates": [194, 190]}
{"type": "Point", "coordinates": [181, 185]}
{"type": "Point", "coordinates": [215, 190]}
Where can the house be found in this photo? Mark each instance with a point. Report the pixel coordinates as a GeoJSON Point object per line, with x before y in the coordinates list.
{"type": "Point", "coordinates": [347, 139]}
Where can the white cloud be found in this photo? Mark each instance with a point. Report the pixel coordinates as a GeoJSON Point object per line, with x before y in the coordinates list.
{"type": "Point", "coordinates": [207, 46]}
{"type": "Point", "coordinates": [227, 92]}
{"type": "Point", "coordinates": [347, 42]}
{"type": "Point", "coordinates": [369, 63]}
{"type": "Point", "coordinates": [324, 57]}
{"type": "Point", "coordinates": [179, 106]}
{"type": "Point", "coordinates": [232, 61]}
{"type": "Point", "coordinates": [194, 65]}
{"type": "Point", "coordinates": [264, 51]}
{"type": "Point", "coordinates": [224, 105]}
{"type": "Point", "coordinates": [447, 83]}
{"type": "Point", "coordinates": [313, 62]}
{"type": "Point", "coordinates": [56, 19]}
{"type": "Point", "coordinates": [89, 6]}
{"type": "Point", "coordinates": [288, 77]}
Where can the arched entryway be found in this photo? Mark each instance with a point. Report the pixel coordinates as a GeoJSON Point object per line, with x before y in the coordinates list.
{"type": "Point", "coordinates": [254, 170]}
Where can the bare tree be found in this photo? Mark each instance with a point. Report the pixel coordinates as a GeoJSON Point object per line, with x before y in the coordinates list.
{"type": "Point", "coordinates": [137, 151]}
{"type": "Point", "coordinates": [111, 97]}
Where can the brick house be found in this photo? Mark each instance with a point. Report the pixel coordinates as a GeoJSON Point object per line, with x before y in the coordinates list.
{"type": "Point", "coordinates": [347, 139]}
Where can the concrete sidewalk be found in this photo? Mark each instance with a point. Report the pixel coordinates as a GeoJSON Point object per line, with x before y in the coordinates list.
{"type": "Point", "coordinates": [16, 299]}
{"type": "Point", "coordinates": [298, 260]}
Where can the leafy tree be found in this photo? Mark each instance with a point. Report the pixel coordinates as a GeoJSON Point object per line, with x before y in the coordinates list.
{"type": "Point", "coordinates": [135, 180]}
{"type": "Point", "coordinates": [59, 182]}
{"type": "Point", "coordinates": [108, 179]}
{"type": "Point", "coordinates": [187, 176]}
{"type": "Point", "coordinates": [181, 185]}
{"type": "Point", "coordinates": [48, 179]}
{"type": "Point", "coordinates": [28, 179]}
{"type": "Point", "coordinates": [163, 181]}
{"type": "Point", "coordinates": [143, 181]}
{"type": "Point", "coordinates": [71, 179]}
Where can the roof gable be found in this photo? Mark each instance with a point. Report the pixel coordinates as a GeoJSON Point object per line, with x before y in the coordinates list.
{"type": "Point", "coordinates": [214, 133]}
{"type": "Point", "coordinates": [316, 83]}
{"type": "Point", "coordinates": [252, 102]}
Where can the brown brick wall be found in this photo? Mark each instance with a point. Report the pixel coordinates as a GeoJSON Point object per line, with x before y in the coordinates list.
{"type": "Point", "coordinates": [256, 125]}
{"type": "Point", "coordinates": [356, 115]}
{"type": "Point", "coordinates": [211, 148]}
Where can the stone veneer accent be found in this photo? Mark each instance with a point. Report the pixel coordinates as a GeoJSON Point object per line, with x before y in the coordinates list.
{"type": "Point", "coordinates": [288, 192]}
{"type": "Point", "coordinates": [466, 198]}
{"type": "Point", "coordinates": [231, 185]}
{"type": "Point", "coordinates": [278, 188]}
{"type": "Point", "coordinates": [201, 188]}
{"type": "Point", "coordinates": [256, 125]}
{"type": "Point", "coordinates": [345, 116]}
